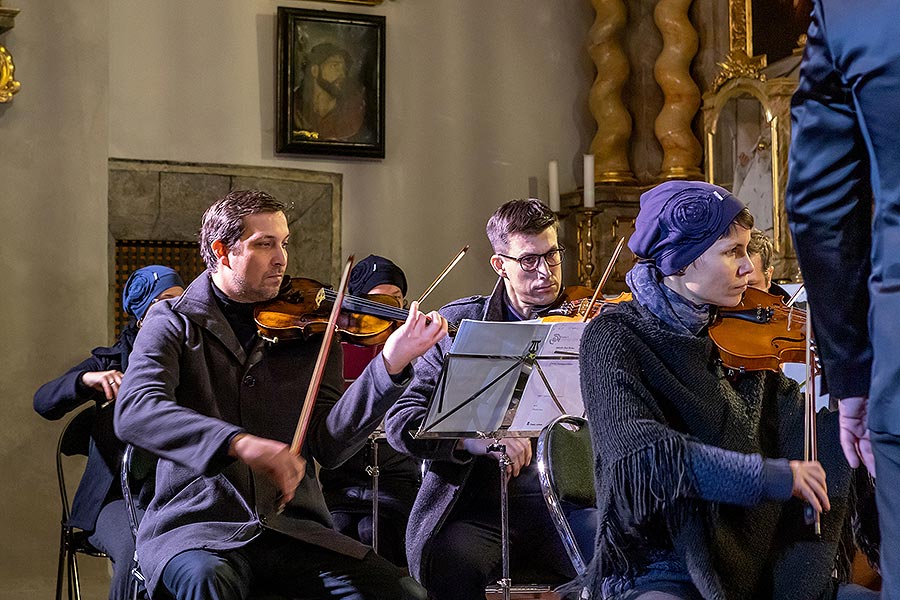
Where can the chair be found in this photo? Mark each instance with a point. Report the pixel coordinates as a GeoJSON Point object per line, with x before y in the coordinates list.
{"type": "Point", "coordinates": [566, 471]}
{"type": "Point", "coordinates": [73, 441]}
{"type": "Point", "coordinates": [137, 466]}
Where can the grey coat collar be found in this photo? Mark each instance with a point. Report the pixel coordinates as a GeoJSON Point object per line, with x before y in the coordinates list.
{"type": "Point", "coordinates": [198, 304]}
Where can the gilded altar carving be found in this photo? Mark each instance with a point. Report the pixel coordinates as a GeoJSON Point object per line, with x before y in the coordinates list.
{"type": "Point", "coordinates": [746, 123]}
{"type": "Point", "coordinates": [8, 83]}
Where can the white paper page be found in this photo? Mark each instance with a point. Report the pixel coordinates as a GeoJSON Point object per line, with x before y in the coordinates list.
{"type": "Point", "coordinates": [537, 407]}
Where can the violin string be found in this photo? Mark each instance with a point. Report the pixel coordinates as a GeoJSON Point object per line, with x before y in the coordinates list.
{"type": "Point", "coordinates": [377, 309]}
{"type": "Point", "coordinates": [366, 305]}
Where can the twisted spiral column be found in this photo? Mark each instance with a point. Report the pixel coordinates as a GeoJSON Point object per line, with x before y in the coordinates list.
{"type": "Point", "coordinates": [610, 144]}
{"type": "Point", "coordinates": [681, 148]}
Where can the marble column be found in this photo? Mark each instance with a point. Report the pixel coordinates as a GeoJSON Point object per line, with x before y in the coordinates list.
{"type": "Point", "coordinates": [610, 144]}
{"type": "Point", "coordinates": [681, 148]}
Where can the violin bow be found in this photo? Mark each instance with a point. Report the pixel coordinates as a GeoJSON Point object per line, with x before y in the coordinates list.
{"type": "Point", "coordinates": [794, 296]}
{"type": "Point", "coordinates": [810, 441]}
{"type": "Point", "coordinates": [443, 274]}
{"type": "Point", "coordinates": [606, 274]}
{"type": "Point", "coordinates": [316, 380]}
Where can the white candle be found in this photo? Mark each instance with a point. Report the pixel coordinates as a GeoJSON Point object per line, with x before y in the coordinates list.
{"type": "Point", "coordinates": [589, 181]}
{"type": "Point", "coordinates": [553, 182]}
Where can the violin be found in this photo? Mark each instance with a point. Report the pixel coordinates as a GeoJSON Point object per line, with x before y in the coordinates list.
{"type": "Point", "coordinates": [302, 310]}
{"type": "Point", "coordinates": [577, 303]}
{"type": "Point", "coordinates": [581, 303]}
{"type": "Point", "coordinates": [760, 333]}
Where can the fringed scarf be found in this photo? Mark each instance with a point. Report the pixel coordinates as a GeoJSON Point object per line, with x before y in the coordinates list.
{"type": "Point", "coordinates": [656, 390]}
{"type": "Point", "coordinates": [679, 313]}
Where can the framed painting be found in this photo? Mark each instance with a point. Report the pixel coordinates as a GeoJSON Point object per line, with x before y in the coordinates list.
{"type": "Point", "coordinates": [367, 2]}
{"type": "Point", "coordinates": [778, 27]}
{"type": "Point", "coordinates": [330, 83]}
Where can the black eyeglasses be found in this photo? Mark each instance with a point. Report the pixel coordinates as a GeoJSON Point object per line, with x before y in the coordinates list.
{"type": "Point", "coordinates": [530, 262]}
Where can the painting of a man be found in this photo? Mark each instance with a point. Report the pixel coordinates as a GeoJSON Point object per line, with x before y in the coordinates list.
{"type": "Point", "coordinates": [330, 97]}
{"type": "Point", "coordinates": [329, 104]}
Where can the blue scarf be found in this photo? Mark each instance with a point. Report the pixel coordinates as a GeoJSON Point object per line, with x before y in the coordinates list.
{"type": "Point", "coordinates": [676, 311]}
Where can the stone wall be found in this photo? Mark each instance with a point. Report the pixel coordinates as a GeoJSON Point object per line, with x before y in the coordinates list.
{"type": "Point", "coordinates": [165, 201]}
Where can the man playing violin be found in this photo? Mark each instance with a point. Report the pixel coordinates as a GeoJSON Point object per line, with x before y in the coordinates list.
{"type": "Point", "coordinates": [761, 251]}
{"type": "Point", "coordinates": [699, 474]}
{"type": "Point", "coordinates": [219, 406]}
{"type": "Point", "coordinates": [453, 538]}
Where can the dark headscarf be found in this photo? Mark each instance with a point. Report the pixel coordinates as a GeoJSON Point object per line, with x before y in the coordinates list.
{"type": "Point", "coordinates": [373, 271]}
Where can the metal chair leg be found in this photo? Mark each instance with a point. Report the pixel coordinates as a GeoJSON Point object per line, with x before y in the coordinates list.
{"type": "Point", "coordinates": [76, 584]}
{"type": "Point", "coordinates": [62, 563]}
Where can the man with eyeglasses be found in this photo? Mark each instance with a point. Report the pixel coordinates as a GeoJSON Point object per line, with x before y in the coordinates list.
{"type": "Point", "coordinates": [453, 538]}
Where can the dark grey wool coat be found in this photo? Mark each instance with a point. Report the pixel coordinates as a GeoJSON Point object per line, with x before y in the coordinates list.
{"type": "Point", "coordinates": [190, 387]}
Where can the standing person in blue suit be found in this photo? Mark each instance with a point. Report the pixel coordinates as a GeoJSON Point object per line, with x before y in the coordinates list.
{"type": "Point", "coordinates": [843, 205]}
{"type": "Point", "coordinates": [98, 506]}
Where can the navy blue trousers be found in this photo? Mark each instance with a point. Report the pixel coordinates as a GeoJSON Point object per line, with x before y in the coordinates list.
{"type": "Point", "coordinates": [112, 535]}
{"type": "Point", "coordinates": [277, 564]}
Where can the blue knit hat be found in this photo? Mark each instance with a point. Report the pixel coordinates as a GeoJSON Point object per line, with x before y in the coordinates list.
{"type": "Point", "coordinates": [679, 221]}
{"type": "Point", "coordinates": [144, 285]}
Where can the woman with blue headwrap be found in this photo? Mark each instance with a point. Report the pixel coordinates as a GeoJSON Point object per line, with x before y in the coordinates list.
{"type": "Point", "coordinates": [98, 507]}
{"type": "Point", "coordinates": [698, 472]}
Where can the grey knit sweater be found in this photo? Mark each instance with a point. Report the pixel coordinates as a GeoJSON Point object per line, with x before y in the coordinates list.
{"type": "Point", "coordinates": [690, 473]}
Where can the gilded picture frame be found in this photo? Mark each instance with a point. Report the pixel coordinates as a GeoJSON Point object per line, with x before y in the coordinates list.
{"type": "Point", "coordinates": [777, 27]}
{"type": "Point", "coordinates": [365, 2]}
{"type": "Point", "coordinates": [330, 95]}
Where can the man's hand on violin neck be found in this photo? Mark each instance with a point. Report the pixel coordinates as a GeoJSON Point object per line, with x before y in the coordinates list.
{"type": "Point", "coordinates": [271, 458]}
{"type": "Point", "coordinates": [412, 339]}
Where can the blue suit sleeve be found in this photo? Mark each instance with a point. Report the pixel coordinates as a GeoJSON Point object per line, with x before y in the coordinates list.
{"type": "Point", "coordinates": [828, 201]}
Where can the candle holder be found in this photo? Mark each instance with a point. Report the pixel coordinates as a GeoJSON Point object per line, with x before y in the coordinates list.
{"type": "Point", "coordinates": [587, 267]}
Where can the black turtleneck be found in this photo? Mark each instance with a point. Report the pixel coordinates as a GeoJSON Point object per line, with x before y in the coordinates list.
{"type": "Point", "coordinates": [239, 316]}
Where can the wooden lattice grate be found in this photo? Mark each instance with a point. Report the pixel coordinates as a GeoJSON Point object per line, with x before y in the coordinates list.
{"type": "Point", "coordinates": [131, 255]}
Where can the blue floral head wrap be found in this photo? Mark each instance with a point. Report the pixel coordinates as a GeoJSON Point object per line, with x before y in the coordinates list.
{"type": "Point", "coordinates": [679, 221]}
{"type": "Point", "coordinates": [144, 285]}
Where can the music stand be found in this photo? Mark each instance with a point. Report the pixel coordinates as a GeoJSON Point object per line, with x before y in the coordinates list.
{"type": "Point", "coordinates": [373, 471]}
{"type": "Point", "coordinates": [490, 369]}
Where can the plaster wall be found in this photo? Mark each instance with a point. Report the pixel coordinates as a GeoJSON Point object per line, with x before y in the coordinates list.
{"type": "Point", "coordinates": [480, 96]}
{"type": "Point", "coordinates": [53, 165]}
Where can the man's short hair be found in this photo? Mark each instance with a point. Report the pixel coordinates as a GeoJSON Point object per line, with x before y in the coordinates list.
{"type": "Point", "coordinates": [523, 216]}
{"type": "Point", "coordinates": [761, 244]}
{"type": "Point", "coordinates": [224, 220]}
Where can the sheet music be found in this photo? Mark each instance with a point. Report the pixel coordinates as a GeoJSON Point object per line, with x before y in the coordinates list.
{"type": "Point", "coordinates": [485, 365]}
{"type": "Point", "coordinates": [537, 407]}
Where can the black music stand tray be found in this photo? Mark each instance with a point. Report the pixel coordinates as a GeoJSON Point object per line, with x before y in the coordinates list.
{"type": "Point", "coordinates": [481, 388]}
